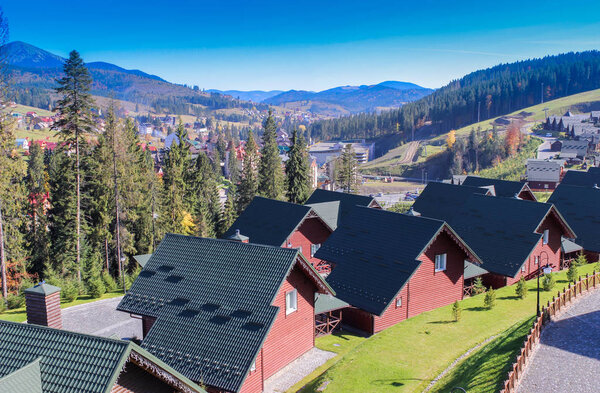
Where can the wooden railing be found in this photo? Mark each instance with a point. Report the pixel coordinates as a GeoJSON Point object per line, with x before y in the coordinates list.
{"type": "Point", "coordinates": [558, 302]}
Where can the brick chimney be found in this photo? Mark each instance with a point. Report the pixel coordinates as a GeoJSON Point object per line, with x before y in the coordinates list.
{"type": "Point", "coordinates": [43, 305]}
{"type": "Point", "coordinates": [238, 237]}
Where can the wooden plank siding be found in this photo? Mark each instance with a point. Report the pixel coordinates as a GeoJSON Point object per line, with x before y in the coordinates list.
{"type": "Point", "coordinates": [44, 310]}
{"type": "Point", "coordinates": [311, 231]}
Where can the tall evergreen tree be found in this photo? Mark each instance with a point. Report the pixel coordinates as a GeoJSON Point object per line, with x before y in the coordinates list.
{"type": "Point", "coordinates": [75, 119]}
{"type": "Point", "coordinates": [175, 173]}
{"type": "Point", "coordinates": [228, 214]}
{"type": "Point", "coordinates": [270, 173]}
{"type": "Point", "coordinates": [249, 181]}
{"type": "Point", "coordinates": [298, 171]}
{"type": "Point", "coordinates": [233, 165]}
{"type": "Point", "coordinates": [39, 192]}
{"type": "Point", "coordinates": [204, 196]}
{"type": "Point", "coordinates": [347, 170]}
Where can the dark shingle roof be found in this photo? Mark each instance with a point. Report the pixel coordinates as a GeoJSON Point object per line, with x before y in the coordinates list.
{"type": "Point", "coordinates": [441, 200]}
{"type": "Point", "coordinates": [594, 170]}
{"type": "Point", "coordinates": [581, 208]}
{"type": "Point", "coordinates": [582, 179]}
{"type": "Point", "coordinates": [347, 201]}
{"type": "Point", "coordinates": [375, 253]}
{"type": "Point", "coordinates": [489, 224]}
{"type": "Point", "coordinates": [328, 211]}
{"type": "Point", "coordinates": [70, 362]}
{"type": "Point", "coordinates": [267, 221]}
{"type": "Point", "coordinates": [503, 188]}
{"type": "Point", "coordinates": [212, 299]}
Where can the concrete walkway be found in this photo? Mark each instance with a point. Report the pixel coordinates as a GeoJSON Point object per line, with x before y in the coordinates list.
{"type": "Point", "coordinates": [567, 359]}
{"type": "Point", "coordinates": [101, 318]}
{"type": "Point", "coordinates": [296, 370]}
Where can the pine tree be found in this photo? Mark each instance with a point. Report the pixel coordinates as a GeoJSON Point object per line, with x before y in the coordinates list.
{"type": "Point", "coordinates": [175, 172]}
{"type": "Point", "coordinates": [75, 119]}
{"type": "Point", "coordinates": [228, 214]}
{"type": "Point", "coordinates": [347, 170]}
{"type": "Point", "coordinates": [204, 197]}
{"type": "Point", "coordinates": [249, 182]}
{"type": "Point", "coordinates": [270, 174]}
{"type": "Point", "coordinates": [233, 165]}
{"type": "Point", "coordinates": [298, 171]}
{"type": "Point", "coordinates": [39, 191]}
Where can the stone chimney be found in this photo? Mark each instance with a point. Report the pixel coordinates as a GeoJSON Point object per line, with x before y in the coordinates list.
{"type": "Point", "coordinates": [238, 237]}
{"type": "Point", "coordinates": [43, 305]}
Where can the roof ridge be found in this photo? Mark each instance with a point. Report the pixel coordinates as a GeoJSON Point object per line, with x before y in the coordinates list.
{"type": "Point", "coordinates": [383, 211]}
{"type": "Point", "coordinates": [227, 241]}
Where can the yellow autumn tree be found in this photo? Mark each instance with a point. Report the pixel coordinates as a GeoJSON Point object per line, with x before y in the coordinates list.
{"type": "Point", "coordinates": [451, 139]}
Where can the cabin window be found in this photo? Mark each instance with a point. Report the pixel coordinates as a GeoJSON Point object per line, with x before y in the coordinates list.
{"type": "Point", "coordinates": [523, 268]}
{"type": "Point", "coordinates": [291, 302]}
{"type": "Point", "coordinates": [299, 248]}
{"type": "Point", "coordinates": [536, 260]}
{"type": "Point", "coordinates": [314, 248]}
{"type": "Point", "coordinates": [253, 367]}
{"type": "Point", "coordinates": [546, 235]}
{"type": "Point", "coordinates": [399, 302]}
{"type": "Point", "coordinates": [440, 262]}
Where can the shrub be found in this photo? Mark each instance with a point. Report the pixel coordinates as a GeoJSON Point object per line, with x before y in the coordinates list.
{"type": "Point", "coordinates": [521, 289]}
{"type": "Point", "coordinates": [2, 306]}
{"type": "Point", "coordinates": [69, 291]}
{"type": "Point", "coordinates": [129, 281]}
{"type": "Point", "coordinates": [15, 301]}
{"type": "Point", "coordinates": [572, 273]}
{"type": "Point", "coordinates": [580, 260]}
{"type": "Point", "coordinates": [478, 286]}
{"type": "Point", "coordinates": [456, 311]}
{"type": "Point", "coordinates": [96, 288]}
{"type": "Point", "coordinates": [109, 282]}
{"type": "Point", "coordinates": [548, 282]}
{"type": "Point", "coordinates": [490, 298]}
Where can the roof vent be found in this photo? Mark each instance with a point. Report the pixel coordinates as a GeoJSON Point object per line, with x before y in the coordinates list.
{"type": "Point", "coordinates": [238, 237]}
{"type": "Point", "coordinates": [412, 212]}
{"type": "Point", "coordinates": [596, 186]}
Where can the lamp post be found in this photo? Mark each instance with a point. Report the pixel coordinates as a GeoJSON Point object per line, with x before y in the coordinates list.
{"type": "Point", "coordinates": [546, 270]}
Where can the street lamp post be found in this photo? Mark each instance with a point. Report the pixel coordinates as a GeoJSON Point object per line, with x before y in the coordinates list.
{"type": "Point", "coordinates": [546, 270]}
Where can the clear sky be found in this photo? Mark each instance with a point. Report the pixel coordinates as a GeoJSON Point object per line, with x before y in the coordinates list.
{"type": "Point", "coordinates": [305, 45]}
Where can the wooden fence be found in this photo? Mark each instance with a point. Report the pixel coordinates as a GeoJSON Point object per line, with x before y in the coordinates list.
{"type": "Point", "coordinates": [561, 300]}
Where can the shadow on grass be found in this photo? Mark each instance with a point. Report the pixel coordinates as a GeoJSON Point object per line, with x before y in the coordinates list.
{"type": "Point", "coordinates": [485, 370]}
{"type": "Point", "coordinates": [442, 322]}
{"type": "Point", "coordinates": [393, 382]}
{"type": "Point", "coordinates": [511, 297]}
{"type": "Point", "coordinates": [478, 308]}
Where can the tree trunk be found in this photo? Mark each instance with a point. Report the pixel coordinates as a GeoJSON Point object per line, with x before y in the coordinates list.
{"type": "Point", "coordinates": [78, 224]}
{"type": "Point", "coordinates": [3, 259]}
{"type": "Point", "coordinates": [118, 223]}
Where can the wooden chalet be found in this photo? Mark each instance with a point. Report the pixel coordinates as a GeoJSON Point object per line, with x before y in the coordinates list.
{"type": "Point", "coordinates": [591, 178]}
{"type": "Point", "coordinates": [580, 206]}
{"type": "Point", "coordinates": [40, 359]}
{"type": "Point", "coordinates": [513, 237]}
{"type": "Point", "coordinates": [226, 313]}
{"type": "Point", "coordinates": [501, 188]}
{"type": "Point", "coordinates": [391, 266]}
{"type": "Point", "coordinates": [283, 224]}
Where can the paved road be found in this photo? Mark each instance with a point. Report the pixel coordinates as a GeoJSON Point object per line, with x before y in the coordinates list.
{"type": "Point", "coordinates": [544, 149]}
{"type": "Point", "coordinates": [568, 356]}
{"type": "Point", "coordinates": [101, 318]}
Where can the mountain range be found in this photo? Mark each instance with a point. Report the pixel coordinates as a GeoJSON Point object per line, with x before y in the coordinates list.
{"type": "Point", "coordinates": [34, 72]}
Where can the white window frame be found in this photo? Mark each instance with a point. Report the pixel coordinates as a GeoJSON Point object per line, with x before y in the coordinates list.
{"type": "Point", "coordinates": [291, 302]}
{"type": "Point", "coordinates": [299, 249]}
{"type": "Point", "coordinates": [536, 260]}
{"type": "Point", "coordinates": [314, 248]}
{"type": "Point", "coordinates": [399, 302]}
{"type": "Point", "coordinates": [546, 236]}
{"type": "Point", "coordinates": [253, 366]}
{"type": "Point", "coordinates": [439, 266]}
{"type": "Point", "coordinates": [523, 268]}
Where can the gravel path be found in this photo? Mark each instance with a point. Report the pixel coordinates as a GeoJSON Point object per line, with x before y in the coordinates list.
{"type": "Point", "coordinates": [101, 318]}
{"type": "Point", "coordinates": [296, 370]}
{"type": "Point", "coordinates": [567, 359]}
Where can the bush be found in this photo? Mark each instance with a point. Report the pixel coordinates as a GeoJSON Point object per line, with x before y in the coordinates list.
{"type": "Point", "coordinates": [456, 311]}
{"type": "Point", "coordinates": [478, 286]}
{"type": "Point", "coordinates": [521, 289]}
{"type": "Point", "coordinates": [2, 306]}
{"type": "Point", "coordinates": [573, 273]}
{"type": "Point", "coordinates": [580, 260]}
{"type": "Point", "coordinates": [548, 282]}
{"type": "Point", "coordinates": [96, 288]}
{"type": "Point", "coordinates": [15, 301]}
{"type": "Point", "coordinates": [129, 281]}
{"type": "Point", "coordinates": [109, 282]}
{"type": "Point", "coordinates": [69, 291]}
{"type": "Point", "coordinates": [490, 299]}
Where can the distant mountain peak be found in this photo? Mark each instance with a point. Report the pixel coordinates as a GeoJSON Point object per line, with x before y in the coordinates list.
{"type": "Point", "coordinates": [22, 54]}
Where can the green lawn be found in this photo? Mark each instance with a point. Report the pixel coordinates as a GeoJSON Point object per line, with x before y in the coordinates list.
{"type": "Point", "coordinates": [542, 196]}
{"type": "Point", "coordinates": [19, 315]}
{"type": "Point", "coordinates": [407, 356]}
{"type": "Point", "coordinates": [34, 135]}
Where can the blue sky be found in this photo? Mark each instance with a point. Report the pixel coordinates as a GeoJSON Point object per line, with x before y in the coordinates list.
{"type": "Point", "coordinates": [305, 45]}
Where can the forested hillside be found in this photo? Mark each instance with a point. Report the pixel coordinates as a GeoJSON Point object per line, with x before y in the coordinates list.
{"type": "Point", "coordinates": [491, 92]}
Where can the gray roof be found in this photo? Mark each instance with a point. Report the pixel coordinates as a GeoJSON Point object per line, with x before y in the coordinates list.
{"type": "Point", "coordinates": [473, 270]}
{"type": "Point", "coordinates": [569, 246]}
{"type": "Point", "coordinates": [213, 303]}
{"type": "Point", "coordinates": [327, 302]}
{"type": "Point", "coordinates": [143, 259]}
{"type": "Point", "coordinates": [27, 379]}
{"type": "Point", "coordinates": [581, 208]}
{"type": "Point", "coordinates": [328, 211]}
{"type": "Point", "coordinates": [43, 289]}
{"type": "Point", "coordinates": [346, 201]}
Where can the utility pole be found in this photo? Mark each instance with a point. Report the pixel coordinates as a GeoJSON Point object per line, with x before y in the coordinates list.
{"type": "Point", "coordinates": [3, 259]}
{"type": "Point", "coordinates": [478, 110]}
{"type": "Point", "coordinates": [542, 92]}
